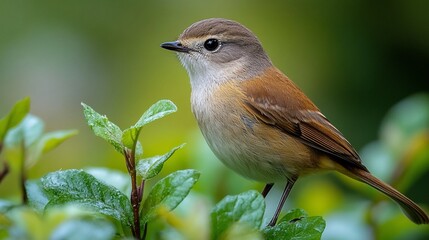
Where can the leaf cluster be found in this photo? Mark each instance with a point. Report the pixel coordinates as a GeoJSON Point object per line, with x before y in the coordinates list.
{"type": "Point", "coordinates": [241, 217]}
{"type": "Point", "coordinates": [99, 203]}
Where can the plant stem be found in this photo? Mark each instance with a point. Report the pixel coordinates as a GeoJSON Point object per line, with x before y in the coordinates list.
{"type": "Point", "coordinates": [135, 203]}
{"type": "Point", "coordinates": [23, 176]}
{"type": "Point", "coordinates": [5, 171]}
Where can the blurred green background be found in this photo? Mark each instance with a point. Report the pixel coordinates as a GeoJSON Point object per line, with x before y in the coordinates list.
{"type": "Point", "coordinates": [354, 59]}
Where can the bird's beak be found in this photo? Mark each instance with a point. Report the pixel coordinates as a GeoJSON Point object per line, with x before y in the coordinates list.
{"type": "Point", "coordinates": [175, 46]}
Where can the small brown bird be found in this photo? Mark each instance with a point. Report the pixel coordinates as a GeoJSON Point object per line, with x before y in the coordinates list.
{"type": "Point", "coordinates": [257, 121]}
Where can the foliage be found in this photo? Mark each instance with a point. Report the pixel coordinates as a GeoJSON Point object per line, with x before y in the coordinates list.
{"type": "Point", "coordinates": [297, 225]}
{"type": "Point", "coordinates": [14, 117]}
{"type": "Point", "coordinates": [401, 157]}
{"type": "Point", "coordinates": [240, 216]}
{"type": "Point", "coordinates": [23, 131]}
{"type": "Point", "coordinates": [100, 203]}
{"type": "Point", "coordinates": [78, 188]}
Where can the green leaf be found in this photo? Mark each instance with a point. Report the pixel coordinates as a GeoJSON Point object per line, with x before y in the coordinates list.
{"type": "Point", "coordinates": [79, 187]}
{"type": "Point", "coordinates": [404, 136]}
{"type": "Point", "coordinates": [241, 231]}
{"type": "Point", "coordinates": [150, 167]}
{"type": "Point", "coordinates": [156, 111]}
{"type": "Point", "coordinates": [51, 140]}
{"type": "Point", "coordinates": [404, 121]}
{"type": "Point", "coordinates": [139, 150]}
{"type": "Point", "coordinates": [102, 127]}
{"type": "Point", "coordinates": [129, 137]}
{"type": "Point", "coordinates": [168, 193]}
{"type": "Point", "coordinates": [5, 206]}
{"type": "Point", "coordinates": [295, 225]}
{"type": "Point", "coordinates": [28, 131]}
{"type": "Point", "coordinates": [37, 198]}
{"type": "Point", "coordinates": [117, 179]}
{"type": "Point", "coordinates": [16, 114]}
{"type": "Point", "coordinates": [25, 223]}
{"type": "Point", "coordinates": [293, 215]}
{"type": "Point", "coordinates": [47, 142]}
{"type": "Point", "coordinates": [246, 208]}
{"type": "Point", "coordinates": [84, 229]}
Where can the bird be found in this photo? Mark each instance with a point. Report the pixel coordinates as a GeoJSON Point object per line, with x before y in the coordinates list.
{"type": "Point", "coordinates": [257, 121]}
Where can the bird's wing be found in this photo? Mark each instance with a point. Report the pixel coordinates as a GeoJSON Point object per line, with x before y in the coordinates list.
{"type": "Point", "coordinates": [276, 101]}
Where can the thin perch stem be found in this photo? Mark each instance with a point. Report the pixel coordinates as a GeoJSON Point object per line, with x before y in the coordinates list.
{"type": "Point", "coordinates": [135, 191]}
{"type": "Point", "coordinates": [23, 176]}
{"type": "Point", "coordinates": [5, 171]}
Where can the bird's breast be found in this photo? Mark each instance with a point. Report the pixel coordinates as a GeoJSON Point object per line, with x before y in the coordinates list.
{"type": "Point", "coordinates": [240, 140]}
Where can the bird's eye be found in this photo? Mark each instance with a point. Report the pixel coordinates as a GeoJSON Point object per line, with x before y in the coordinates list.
{"type": "Point", "coordinates": [211, 44]}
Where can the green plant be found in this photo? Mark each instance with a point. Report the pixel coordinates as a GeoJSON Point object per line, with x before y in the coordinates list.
{"type": "Point", "coordinates": [100, 203]}
{"type": "Point", "coordinates": [401, 156]}
{"type": "Point", "coordinates": [23, 132]}
{"type": "Point", "coordinates": [240, 217]}
{"type": "Point", "coordinates": [168, 192]}
{"type": "Point", "coordinates": [78, 188]}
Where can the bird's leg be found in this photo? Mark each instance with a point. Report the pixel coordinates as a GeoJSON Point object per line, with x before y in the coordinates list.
{"type": "Point", "coordinates": [267, 189]}
{"type": "Point", "coordinates": [289, 184]}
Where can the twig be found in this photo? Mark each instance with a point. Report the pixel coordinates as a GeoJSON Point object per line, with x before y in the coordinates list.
{"type": "Point", "coordinates": [5, 171]}
{"type": "Point", "coordinates": [135, 203]}
{"type": "Point", "coordinates": [23, 176]}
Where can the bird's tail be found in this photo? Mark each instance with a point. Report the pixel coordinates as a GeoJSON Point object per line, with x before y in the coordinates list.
{"type": "Point", "coordinates": [410, 208]}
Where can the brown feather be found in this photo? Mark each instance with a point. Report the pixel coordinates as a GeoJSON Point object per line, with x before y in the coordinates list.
{"type": "Point", "coordinates": [411, 209]}
{"type": "Point", "coordinates": [277, 101]}
{"type": "Point", "coordinates": [257, 121]}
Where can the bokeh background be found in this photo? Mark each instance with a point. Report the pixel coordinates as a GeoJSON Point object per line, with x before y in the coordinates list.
{"type": "Point", "coordinates": [354, 59]}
